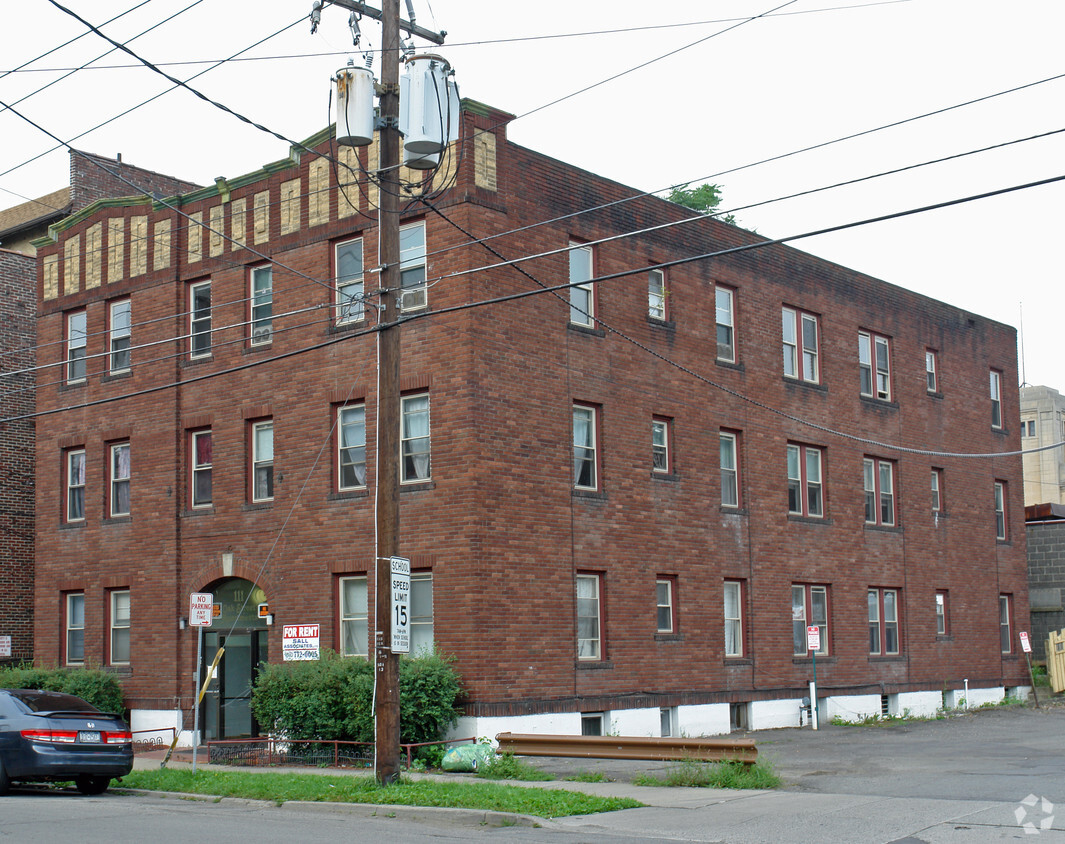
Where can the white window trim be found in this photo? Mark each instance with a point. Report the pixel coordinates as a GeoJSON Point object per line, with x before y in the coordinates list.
{"type": "Point", "coordinates": [937, 490]}
{"type": "Point", "coordinates": [733, 473]}
{"type": "Point", "coordinates": [1001, 533]}
{"type": "Point", "coordinates": [873, 474]}
{"type": "Point", "coordinates": [353, 618]}
{"type": "Point", "coordinates": [77, 340]}
{"type": "Point", "coordinates": [70, 627]}
{"type": "Point", "coordinates": [421, 626]}
{"type": "Point", "coordinates": [593, 422]}
{"type": "Point", "coordinates": [1005, 607]}
{"type": "Point", "coordinates": [197, 468]}
{"type": "Point", "coordinates": [805, 484]}
{"type": "Point", "coordinates": [729, 356]}
{"type": "Point", "coordinates": [931, 368]}
{"type": "Point", "coordinates": [594, 647]}
{"type": "Point", "coordinates": [116, 481]}
{"type": "Point", "coordinates": [349, 306]}
{"type": "Point", "coordinates": [413, 297]}
{"type": "Point", "coordinates": [942, 600]}
{"type": "Point", "coordinates": [580, 315]}
{"type": "Point", "coordinates": [257, 461]}
{"type": "Point", "coordinates": [656, 295]}
{"type": "Point", "coordinates": [197, 320]}
{"type": "Point", "coordinates": [668, 605]}
{"type": "Point", "coordinates": [72, 487]}
{"type": "Point", "coordinates": [879, 375]}
{"type": "Point", "coordinates": [405, 441]}
{"type": "Point", "coordinates": [808, 590]}
{"type": "Point", "coordinates": [797, 353]}
{"type": "Point", "coordinates": [117, 334]}
{"type": "Point", "coordinates": [996, 399]}
{"type": "Point", "coordinates": [883, 623]}
{"type": "Point", "coordinates": [116, 626]}
{"type": "Point", "coordinates": [343, 411]}
{"type": "Point", "coordinates": [736, 621]}
{"type": "Point", "coordinates": [660, 446]}
{"type": "Point", "coordinates": [262, 327]}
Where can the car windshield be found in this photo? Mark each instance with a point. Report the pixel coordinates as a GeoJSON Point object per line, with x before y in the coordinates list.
{"type": "Point", "coordinates": [41, 701]}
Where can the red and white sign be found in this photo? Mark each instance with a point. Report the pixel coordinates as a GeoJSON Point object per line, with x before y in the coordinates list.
{"type": "Point", "coordinates": [1026, 646]}
{"type": "Point", "coordinates": [813, 638]}
{"type": "Point", "coordinates": [201, 609]}
{"type": "Point", "coordinates": [300, 641]}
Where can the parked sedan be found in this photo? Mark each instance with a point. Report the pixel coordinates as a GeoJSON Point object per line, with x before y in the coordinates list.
{"type": "Point", "coordinates": [50, 736]}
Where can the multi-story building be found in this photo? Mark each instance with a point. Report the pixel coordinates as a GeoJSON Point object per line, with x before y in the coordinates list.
{"type": "Point", "coordinates": [635, 466]}
{"type": "Point", "coordinates": [1043, 425]}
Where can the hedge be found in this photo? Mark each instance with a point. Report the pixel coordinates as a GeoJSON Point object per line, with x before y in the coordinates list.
{"type": "Point", "coordinates": [97, 687]}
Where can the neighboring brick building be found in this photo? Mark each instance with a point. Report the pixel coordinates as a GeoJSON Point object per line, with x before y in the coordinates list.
{"type": "Point", "coordinates": [1045, 527]}
{"type": "Point", "coordinates": [619, 523]}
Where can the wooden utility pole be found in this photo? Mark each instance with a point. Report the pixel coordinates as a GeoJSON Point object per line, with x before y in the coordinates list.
{"type": "Point", "coordinates": [386, 673]}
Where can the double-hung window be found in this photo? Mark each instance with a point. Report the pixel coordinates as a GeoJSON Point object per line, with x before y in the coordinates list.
{"type": "Point", "coordinates": [660, 457]}
{"type": "Point", "coordinates": [800, 345]}
{"type": "Point", "coordinates": [354, 617]}
{"type": "Point", "coordinates": [728, 450]}
{"type": "Point", "coordinates": [656, 295]}
{"type": "Point", "coordinates": [201, 447]}
{"type": "Point", "coordinates": [883, 622]}
{"type": "Point", "coordinates": [809, 608]}
{"type": "Point", "coordinates": [351, 463]}
{"type": "Point", "coordinates": [77, 339]}
{"type": "Point", "coordinates": [200, 319]}
{"type": "Point", "coordinates": [733, 619]}
{"type": "Point", "coordinates": [726, 326]}
{"type": "Point", "coordinates": [412, 280]}
{"type": "Point", "coordinates": [1005, 623]}
{"type": "Point", "coordinates": [931, 370]}
{"type": "Point", "coordinates": [874, 365]}
{"type": "Point", "coordinates": [262, 305]}
{"type": "Point", "coordinates": [349, 290]}
{"type": "Point", "coordinates": [421, 612]}
{"type": "Point", "coordinates": [414, 440]}
{"type": "Point", "coordinates": [585, 451]}
{"type": "Point", "coordinates": [262, 461]}
{"type": "Point", "coordinates": [1001, 527]}
{"type": "Point", "coordinates": [75, 482]}
{"type": "Point", "coordinates": [119, 479]}
{"type": "Point", "coordinates": [121, 336]}
{"type": "Point", "coordinates": [879, 481]}
{"type": "Point", "coordinates": [942, 613]}
{"type": "Point", "coordinates": [937, 491]}
{"type": "Point", "coordinates": [664, 612]}
{"type": "Point", "coordinates": [805, 493]}
{"type": "Point", "coordinates": [581, 292]}
{"type": "Point", "coordinates": [74, 610]}
{"type": "Point", "coordinates": [996, 399]}
{"type": "Point", "coordinates": [119, 617]}
{"type": "Point", "coordinates": [589, 617]}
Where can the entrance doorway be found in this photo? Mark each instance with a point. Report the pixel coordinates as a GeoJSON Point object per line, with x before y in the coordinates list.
{"type": "Point", "coordinates": [226, 708]}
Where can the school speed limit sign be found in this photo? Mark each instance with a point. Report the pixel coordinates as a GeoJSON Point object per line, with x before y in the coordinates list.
{"type": "Point", "coordinates": [400, 584]}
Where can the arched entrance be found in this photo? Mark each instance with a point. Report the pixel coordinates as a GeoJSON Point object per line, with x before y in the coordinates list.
{"type": "Point", "coordinates": [227, 704]}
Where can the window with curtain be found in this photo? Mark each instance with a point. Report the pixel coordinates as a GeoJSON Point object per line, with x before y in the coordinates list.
{"type": "Point", "coordinates": [414, 441]}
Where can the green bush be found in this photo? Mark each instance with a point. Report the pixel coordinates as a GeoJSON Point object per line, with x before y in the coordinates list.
{"type": "Point", "coordinates": [332, 698]}
{"type": "Point", "coordinates": [97, 687]}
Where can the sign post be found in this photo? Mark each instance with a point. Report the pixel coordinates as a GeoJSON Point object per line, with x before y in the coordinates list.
{"type": "Point", "coordinates": [1026, 646]}
{"type": "Point", "coordinates": [201, 614]}
{"type": "Point", "coordinates": [813, 645]}
{"type": "Point", "coordinates": [400, 605]}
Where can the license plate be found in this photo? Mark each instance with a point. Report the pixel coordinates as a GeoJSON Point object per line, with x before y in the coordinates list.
{"type": "Point", "coordinates": [88, 737]}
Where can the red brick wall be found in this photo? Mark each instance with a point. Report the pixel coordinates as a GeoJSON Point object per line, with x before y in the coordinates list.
{"type": "Point", "coordinates": [499, 525]}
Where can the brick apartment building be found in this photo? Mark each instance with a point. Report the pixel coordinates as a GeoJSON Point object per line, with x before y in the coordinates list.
{"type": "Point", "coordinates": [20, 225]}
{"type": "Point", "coordinates": [623, 503]}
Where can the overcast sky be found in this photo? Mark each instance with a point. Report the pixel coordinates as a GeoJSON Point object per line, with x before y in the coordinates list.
{"type": "Point", "coordinates": [750, 81]}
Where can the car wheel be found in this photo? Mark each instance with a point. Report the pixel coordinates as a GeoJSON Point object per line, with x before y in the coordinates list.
{"type": "Point", "coordinates": [5, 783]}
{"type": "Point", "coordinates": [92, 785]}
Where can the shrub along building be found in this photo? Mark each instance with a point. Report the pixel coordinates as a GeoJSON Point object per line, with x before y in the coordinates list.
{"type": "Point", "coordinates": [624, 500]}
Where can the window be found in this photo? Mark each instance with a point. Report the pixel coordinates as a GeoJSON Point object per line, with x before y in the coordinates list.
{"type": "Point", "coordinates": [349, 281]}
{"type": "Point", "coordinates": [730, 473]}
{"type": "Point", "coordinates": [351, 467]}
{"type": "Point", "coordinates": [421, 612]}
{"type": "Point", "coordinates": [804, 481]}
{"type": "Point", "coordinates": [874, 366]}
{"type": "Point", "coordinates": [592, 723]}
{"type": "Point", "coordinates": [733, 619]}
{"type": "Point", "coordinates": [726, 336]}
{"type": "Point", "coordinates": [120, 479]}
{"type": "Point", "coordinates": [660, 445]}
{"type": "Point", "coordinates": [942, 616]}
{"type": "Point", "coordinates": [800, 346]}
{"type": "Point", "coordinates": [262, 305]}
{"type": "Point", "coordinates": [656, 295]}
{"type": "Point", "coordinates": [119, 613]}
{"type": "Point", "coordinates": [585, 455]}
{"type": "Point", "coordinates": [1000, 511]}
{"type": "Point", "coordinates": [931, 368]}
{"type": "Point", "coordinates": [200, 319]}
{"type": "Point", "coordinates": [937, 491]}
{"type": "Point", "coordinates": [75, 628]}
{"type": "Point", "coordinates": [883, 621]}
{"type": "Point", "coordinates": [809, 608]}
{"type": "Point", "coordinates": [996, 399]}
{"type": "Point", "coordinates": [75, 477]}
{"type": "Point", "coordinates": [76, 344]}
{"type": "Point", "coordinates": [1005, 614]}
{"type": "Point", "coordinates": [262, 461]}
{"type": "Point", "coordinates": [1027, 427]}
{"type": "Point", "coordinates": [581, 294]}
{"type": "Point", "coordinates": [879, 492]}
{"type": "Point", "coordinates": [589, 624]}
{"type": "Point", "coordinates": [664, 588]}
{"type": "Point", "coordinates": [121, 333]}
{"type": "Point", "coordinates": [412, 267]}
{"type": "Point", "coordinates": [202, 450]}
{"type": "Point", "coordinates": [354, 623]}
{"type": "Point", "coordinates": [414, 446]}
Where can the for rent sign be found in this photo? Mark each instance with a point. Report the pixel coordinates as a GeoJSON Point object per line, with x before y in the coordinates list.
{"type": "Point", "coordinates": [300, 641]}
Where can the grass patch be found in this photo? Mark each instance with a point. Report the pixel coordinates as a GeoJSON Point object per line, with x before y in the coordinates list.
{"type": "Point", "coordinates": [738, 775]}
{"type": "Point", "coordinates": [507, 766]}
{"type": "Point", "coordinates": [588, 776]}
{"type": "Point", "coordinates": [281, 787]}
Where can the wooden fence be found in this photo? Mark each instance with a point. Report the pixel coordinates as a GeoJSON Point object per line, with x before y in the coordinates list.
{"type": "Point", "coordinates": [1056, 660]}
